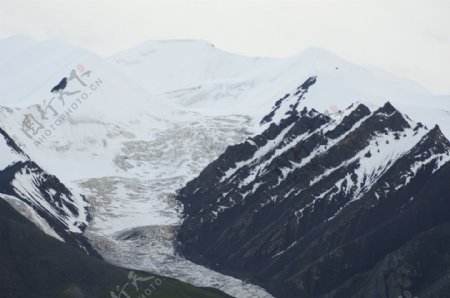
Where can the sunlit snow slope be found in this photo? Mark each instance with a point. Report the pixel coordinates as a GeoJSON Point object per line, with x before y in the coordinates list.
{"type": "Point", "coordinates": [195, 75]}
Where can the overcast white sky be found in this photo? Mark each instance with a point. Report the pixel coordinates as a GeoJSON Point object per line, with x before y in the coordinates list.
{"type": "Point", "coordinates": [407, 37]}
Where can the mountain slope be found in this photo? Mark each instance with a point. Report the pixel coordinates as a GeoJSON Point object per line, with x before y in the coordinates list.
{"type": "Point", "coordinates": [41, 196]}
{"type": "Point", "coordinates": [33, 264]}
{"type": "Point", "coordinates": [315, 201]}
{"type": "Point", "coordinates": [50, 268]}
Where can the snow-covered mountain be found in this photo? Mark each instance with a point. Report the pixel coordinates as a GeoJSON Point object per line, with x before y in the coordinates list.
{"type": "Point", "coordinates": [293, 205]}
{"type": "Point", "coordinates": [197, 76]}
{"type": "Point", "coordinates": [123, 148]}
{"type": "Point", "coordinates": [129, 131]}
{"type": "Point", "coordinates": [344, 145]}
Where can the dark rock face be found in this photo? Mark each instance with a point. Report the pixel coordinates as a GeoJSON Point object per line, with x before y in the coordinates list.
{"type": "Point", "coordinates": [299, 93]}
{"type": "Point", "coordinates": [318, 206]}
{"type": "Point", "coordinates": [25, 182]}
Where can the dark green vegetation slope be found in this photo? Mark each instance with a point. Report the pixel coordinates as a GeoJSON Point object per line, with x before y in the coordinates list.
{"type": "Point", "coordinates": [33, 264]}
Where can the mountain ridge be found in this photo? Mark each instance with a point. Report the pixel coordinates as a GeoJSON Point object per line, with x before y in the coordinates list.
{"type": "Point", "coordinates": [269, 214]}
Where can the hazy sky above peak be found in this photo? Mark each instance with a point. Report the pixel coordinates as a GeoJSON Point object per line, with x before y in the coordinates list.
{"type": "Point", "coordinates": [407, 37]}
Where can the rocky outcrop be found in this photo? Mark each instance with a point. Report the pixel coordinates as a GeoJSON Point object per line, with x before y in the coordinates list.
{"type": "Point", "coordinates": [42, 197]}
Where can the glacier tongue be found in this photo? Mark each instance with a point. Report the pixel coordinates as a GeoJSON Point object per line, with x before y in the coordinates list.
{"type": "Point", "coordinates": [135, 214]}
{"type": "Point", "coordinates": [147, 212]}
